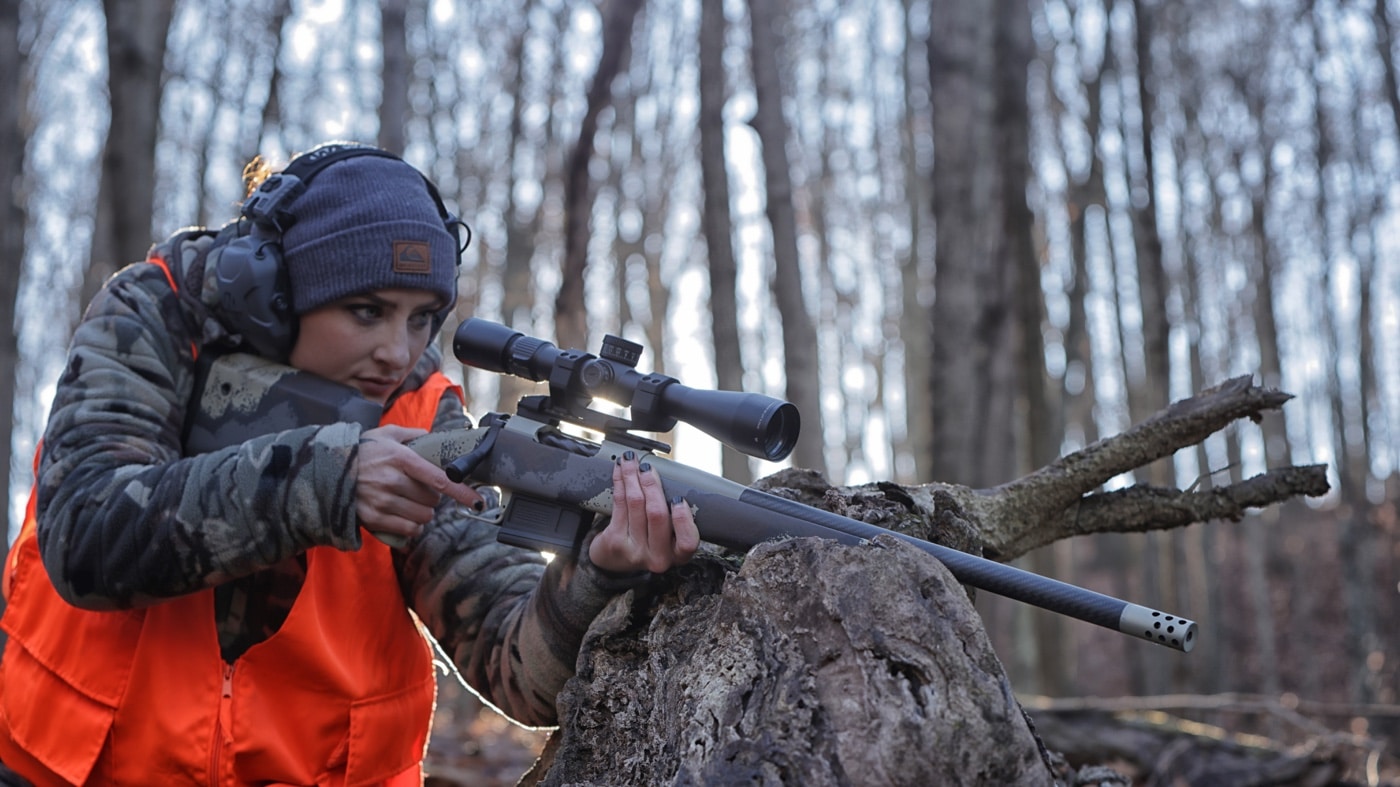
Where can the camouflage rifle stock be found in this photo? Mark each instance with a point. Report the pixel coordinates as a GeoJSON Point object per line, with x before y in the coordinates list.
{"type": "Point", "coordinates": [240, 396]}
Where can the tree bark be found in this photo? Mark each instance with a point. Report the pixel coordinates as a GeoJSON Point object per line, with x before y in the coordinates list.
{"type": "Point", "coordinates": [830, 685]}
{"type": "Point", "coordinates": [818, 663]}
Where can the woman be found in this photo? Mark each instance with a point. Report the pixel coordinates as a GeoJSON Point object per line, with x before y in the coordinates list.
{"type": "Point", "coordinates": [223, 617]}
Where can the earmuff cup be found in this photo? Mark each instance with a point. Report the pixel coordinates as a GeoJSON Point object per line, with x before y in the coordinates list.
{"type": "Point", "coordinates": [255, 296]}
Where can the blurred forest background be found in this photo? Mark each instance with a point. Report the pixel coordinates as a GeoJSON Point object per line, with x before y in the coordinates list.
{"type": "Point", "coordinates": [963, 236]}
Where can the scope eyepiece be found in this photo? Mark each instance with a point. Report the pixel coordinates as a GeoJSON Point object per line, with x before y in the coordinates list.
{"type": "Point", "coordinates": [758, 425]}
{"type": "Point", "coordinates": [498, 348]}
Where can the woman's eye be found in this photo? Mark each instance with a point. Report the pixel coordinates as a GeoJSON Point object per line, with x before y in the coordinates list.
{"type": "Point", "coordinates": [421, 320]}
{"type": "Point", "coordinates": [365, 311]}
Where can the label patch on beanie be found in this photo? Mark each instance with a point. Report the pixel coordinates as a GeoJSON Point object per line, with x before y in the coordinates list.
{"type": "Point", "coordinates": [412, 256]}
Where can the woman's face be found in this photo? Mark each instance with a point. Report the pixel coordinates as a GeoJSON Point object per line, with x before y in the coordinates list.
{"type": "Point", "coordinates": [369, 342]}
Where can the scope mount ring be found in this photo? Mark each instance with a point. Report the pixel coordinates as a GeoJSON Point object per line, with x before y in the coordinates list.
{"type": "Point", "coordinates": [645, 444]}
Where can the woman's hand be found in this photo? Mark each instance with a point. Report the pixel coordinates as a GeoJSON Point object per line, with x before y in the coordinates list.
{"type": "Point", "coordinates": [646, 532]}
{"type": "Point", "coordinates": [396, 490]}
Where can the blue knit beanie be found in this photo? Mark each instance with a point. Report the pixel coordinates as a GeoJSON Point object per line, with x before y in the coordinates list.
{"type": "Point", "coordinates": [367, 223]}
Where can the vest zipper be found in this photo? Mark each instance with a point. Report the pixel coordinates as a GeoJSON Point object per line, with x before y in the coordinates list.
{"type": "Point", "coordinates": [223, 727]}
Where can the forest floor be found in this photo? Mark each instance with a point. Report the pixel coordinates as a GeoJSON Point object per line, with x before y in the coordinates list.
{"type": "Point", "coordinates": [473, 744]}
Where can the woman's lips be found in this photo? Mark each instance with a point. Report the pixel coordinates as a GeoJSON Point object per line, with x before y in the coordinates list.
{"type": "Point", "coordinates": [376, 387]}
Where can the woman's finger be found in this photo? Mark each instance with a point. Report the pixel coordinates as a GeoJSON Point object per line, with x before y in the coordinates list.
{"type": "Point", "coordinates": [687, 534]}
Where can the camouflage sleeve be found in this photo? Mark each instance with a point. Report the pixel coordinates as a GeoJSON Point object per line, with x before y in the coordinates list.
{"type": "Point", "coordinates": [511, 623]}
{"type": "Point", "coordinates": [124, 519]}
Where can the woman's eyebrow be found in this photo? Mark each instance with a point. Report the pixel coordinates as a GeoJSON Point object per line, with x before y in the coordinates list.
{"type": "Point", "coordinates": [435, 305]}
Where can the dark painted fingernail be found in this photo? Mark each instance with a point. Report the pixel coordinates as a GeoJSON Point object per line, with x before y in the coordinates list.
{"type": "Point", "coordinates": [646, 466]}
{"type": "Point", "coordinates": [618, 460]}
{"type": "Point", "coordinates": [629, 456]}
{"type": "Point", "coordinates": [479, 506]}
{"type": "Point", "coordinates": [676, 500]}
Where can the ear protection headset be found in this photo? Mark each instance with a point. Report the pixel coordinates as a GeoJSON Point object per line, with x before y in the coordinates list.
{"type": "Point", "coordinates": [254, 294]}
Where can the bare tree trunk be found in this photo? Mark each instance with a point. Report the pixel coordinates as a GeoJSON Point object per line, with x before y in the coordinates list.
{"type": "Point", "coordinates": [1259, 543]}
{"type": "Point", "coordinates": [395, 75]}
{"type": "Point", "coordinates": [571, 313]}
{"type": "Point", "coordinates": [1276, 448]}
{"type": "Point", "coordinates": [724, 313]}
{"type": "Point", "coordinates": [13, 219]}
{"type": "Point", "coordinates": [1203, 560]}
{"type": "Point", "coordinates": [1255, 548]}
{"type": "Point", "coordinates": [831, 307]}
{"type": "Point", "coordinates": [1040, 655]}
{"type": "Point", "coordinates": [1086, 195]}
{"type": "Point", "coordinates": [973, 429]}
{"type": "Point", "coordinates": [272, 110]}
{"type": "Point", "coordinates": [518, 292]}
{"type": "Point", "coordinates": [1356, 545]}
{"type": "Point", "coordinates": [1150, 393]}
{"type": "Point", "coordinates": [1385, 46]}
{"type": "Point", "coordinates": [1358, 459]}
{"type": "Point", "coordinates": [1203, 554]}
{"type": "Point", "coordinates": [1375, 445]}
{"type": "Point", "coordinates": [799, 332]}
{"type": "Point", "coordinates": [632, 263]}
{"type": "Point", "coordinates": [915, 321]}
{"type": "Point", "coordinates": [136, 37]}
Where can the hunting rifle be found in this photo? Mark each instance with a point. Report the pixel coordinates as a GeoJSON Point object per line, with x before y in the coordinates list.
{"type": "Point", "coordinates": [555, 482]}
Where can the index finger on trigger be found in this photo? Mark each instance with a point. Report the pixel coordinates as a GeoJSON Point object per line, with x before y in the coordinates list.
{"type": "Point", "coordinates": [433, 477]}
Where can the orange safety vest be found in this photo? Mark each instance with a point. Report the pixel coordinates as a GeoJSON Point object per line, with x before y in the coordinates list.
{"type": "Point", "coordinates": [341, 694]}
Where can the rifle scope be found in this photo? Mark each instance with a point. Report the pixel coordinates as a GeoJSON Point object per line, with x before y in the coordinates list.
{"type": "Point", "coordinates": [757, 425]}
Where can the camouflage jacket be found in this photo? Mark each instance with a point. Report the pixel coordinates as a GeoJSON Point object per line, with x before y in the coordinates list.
{"type": "Point", "coordinates": [125, 519]}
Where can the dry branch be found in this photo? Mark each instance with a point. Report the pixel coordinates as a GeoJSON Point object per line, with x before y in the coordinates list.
{"type": "Point", "coordinates": [1065, 498]}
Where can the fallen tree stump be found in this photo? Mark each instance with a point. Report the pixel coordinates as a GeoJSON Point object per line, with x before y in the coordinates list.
{"type": "Point", "coordinates": [814, 664]}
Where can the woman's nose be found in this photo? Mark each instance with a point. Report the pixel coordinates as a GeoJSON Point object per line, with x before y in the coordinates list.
{"type": "Point", "coordinates": [394, 349]}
